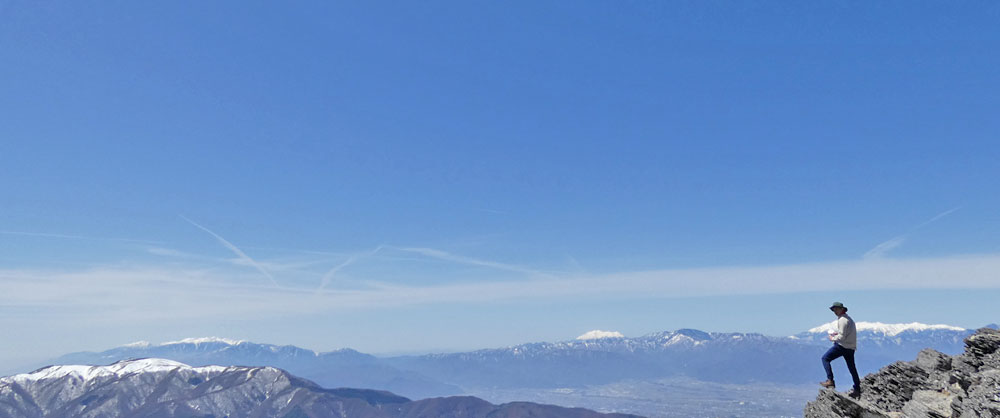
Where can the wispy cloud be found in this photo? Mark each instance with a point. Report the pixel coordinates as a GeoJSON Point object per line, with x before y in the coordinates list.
{"type": "Point", "coordinates": [936, 217]}
{"type": "Point", "coordinates": [77, 237]}
{"type": "Point", "coordinates": [239, 253]}
{"type": "Point", "coordinates": [350, 260]}
{"type": "Point", "coordinates": [446, 256]}
{"type": "Point", "coordinates": [283, 265]}
{"type": "Point", "coordinates": [143, 293]}
{"type": "Point", "coordinates": [880, 250]}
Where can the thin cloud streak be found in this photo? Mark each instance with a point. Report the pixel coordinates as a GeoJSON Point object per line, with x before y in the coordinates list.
{"type": "Point", "coordinates": [880, 251]}
{"type": "Point", "coordinates": [77, 237]}
{"type": "Point", "coordinates": [297, 266]}
{"type": "Point", "coordinates": [239, 253]}
{"type": "Point", "coordinates": [446, 256]}
{"type": "Point", "coordinates": [938, 216]}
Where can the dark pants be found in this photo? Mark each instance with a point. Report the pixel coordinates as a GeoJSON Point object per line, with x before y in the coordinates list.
{"type": "Point", "coordinates": [836, 352]}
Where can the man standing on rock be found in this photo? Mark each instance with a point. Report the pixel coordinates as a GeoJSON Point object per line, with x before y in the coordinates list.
{"type": "Point", "coordinates": [845, 342]}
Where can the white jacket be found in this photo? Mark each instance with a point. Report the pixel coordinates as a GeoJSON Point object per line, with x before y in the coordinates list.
{"type": "Point", "coordinates": [847, 333]}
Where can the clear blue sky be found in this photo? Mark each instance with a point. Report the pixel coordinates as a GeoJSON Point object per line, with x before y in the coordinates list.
{"type": "Point", "coordinates": [452, 175]}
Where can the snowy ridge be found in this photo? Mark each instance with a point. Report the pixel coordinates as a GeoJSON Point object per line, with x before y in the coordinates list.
{"type": "Point", "coordinates": [227, 342]}
{"type": "Point", "coordinates": [598, 334]}
{"type": "Point", "coordinates": [119, 369]}
{"type": "Point", "coordinates": [885, 329]}
{"type": "Point", "coordinates": [204, 340]}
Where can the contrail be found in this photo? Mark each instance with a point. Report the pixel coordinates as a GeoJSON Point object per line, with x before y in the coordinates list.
{"type": "Point", "coordinates": [939, 216]}
{"type": "Point", "coordinates": [880, 250]}
{"type": "Point", "coordinates": [68, 236]}
{"type": "Point", "coordinates": [239, 253]}
{"type": "Point", "coordinates": [443, 255]}
{"type": "Point", "coordinates": [329, 275]}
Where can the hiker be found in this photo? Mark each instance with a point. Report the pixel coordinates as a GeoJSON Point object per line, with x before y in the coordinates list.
{"type": "Point", "coordinates": [845, 342]}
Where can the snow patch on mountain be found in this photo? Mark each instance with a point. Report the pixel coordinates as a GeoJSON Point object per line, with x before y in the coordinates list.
{"type": "Point", "coordinates": [205, 340]}
{"type": "Point", "coordinates": [598, 334]}
{"type": "Point", "coordinates": [119, 369]}
{"type": "Point", "coordinates": [680, 339]}
{"type": "Point", "coordinates": [886, 329]}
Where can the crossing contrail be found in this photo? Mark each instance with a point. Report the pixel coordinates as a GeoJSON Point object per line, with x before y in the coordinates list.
{"type": "Point", "coordinates": [239, 253]}
{"type": "Point", "coordinates": [446, 256]}
{"type": "Point", "coordinates": [329, 275]}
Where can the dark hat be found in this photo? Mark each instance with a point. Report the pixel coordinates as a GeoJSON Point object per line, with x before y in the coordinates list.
{"type": "Point", "coordinates": [837, 305]}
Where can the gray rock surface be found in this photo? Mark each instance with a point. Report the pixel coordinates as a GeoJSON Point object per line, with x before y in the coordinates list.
{"type": "Point", "coordinates": [833, 404]}
{"type": "Point", "coordinates": [934, 385]}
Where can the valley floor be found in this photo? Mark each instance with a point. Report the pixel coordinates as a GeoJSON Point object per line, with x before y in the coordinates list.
{"type": "Point", "coordinates": [671, 398]}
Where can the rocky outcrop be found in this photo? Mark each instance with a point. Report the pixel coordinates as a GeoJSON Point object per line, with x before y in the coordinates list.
{"type": "Point", "coordinates": [934, 385]}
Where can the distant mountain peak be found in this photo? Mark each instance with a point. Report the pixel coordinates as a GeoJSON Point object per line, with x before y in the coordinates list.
{"type": "Point", "coordinates": [598, 334]}
{"type": "Point", "coordinates": [886, 329]}
{"type": "Point", "coordinates": [694, 334]}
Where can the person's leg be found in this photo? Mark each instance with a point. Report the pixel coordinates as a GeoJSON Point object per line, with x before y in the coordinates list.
{"type": "Point", "coordinates": [849, 358]}
{"type": "Point", "coordinates": [832, 354]}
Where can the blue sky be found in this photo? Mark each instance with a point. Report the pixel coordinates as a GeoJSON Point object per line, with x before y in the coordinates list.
{"type": "Point", "coordinates": [444, 175]}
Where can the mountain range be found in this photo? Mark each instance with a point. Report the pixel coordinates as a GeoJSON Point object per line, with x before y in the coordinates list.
{"type": "Point", "coordinates": [340, 368]}
{"type": "Point", "coordinates": [596, 359]}
{"type": "Point", "coordinates": [708, 356]}
{"type": "Point", "coordinates": [167, 389]}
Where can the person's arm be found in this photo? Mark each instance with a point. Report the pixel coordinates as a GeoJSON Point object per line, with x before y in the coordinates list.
{"type": "Point", "coordinates": [841, 326]}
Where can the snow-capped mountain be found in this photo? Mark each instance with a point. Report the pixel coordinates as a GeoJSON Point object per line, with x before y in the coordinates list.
{"type": "Point", "coordinates": [898, 341]}
{"type": "Point", "coordinates": [709, 356]}
{"type": "Point", "coordinates": [598, 334]}
{"type": "Point", "coordinates": [116, 370]}
{"type": "Point", "coordinates": [729, 357]}
{"type": "Point", "coordinates": [167, 389]}
{"type": "Point", "coordinates": [340, 368]}
{"type": "Point", "coordinates": [878, 328]}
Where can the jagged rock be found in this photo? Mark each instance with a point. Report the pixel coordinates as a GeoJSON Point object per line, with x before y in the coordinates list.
{"type": "Point", "coordinates": [832, 404]}
{"type": "Point", "coordinates": [930, 404]}
{"type": "Point", "coordinates": [984, 398]}
{"type": "Point", "coordinates": [932, 360]}
{"type": "Point", "coordinates": [934, 385]}
{"type": "Point", "coordinates": [981, 348]}
{"type": "Point", "coordinates": [893, 386]}
{"type": "Point", "coordinates": [984, 342]}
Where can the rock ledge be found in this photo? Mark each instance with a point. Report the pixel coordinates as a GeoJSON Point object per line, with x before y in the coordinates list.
{"type": "Point", "coordinates": [934, 385]}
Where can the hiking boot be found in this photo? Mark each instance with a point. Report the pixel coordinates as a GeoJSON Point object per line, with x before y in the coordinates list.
{"type": "Point", "coordinates": [855, 394]}
{"type": "Point", "coordinates": [828, 384]}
